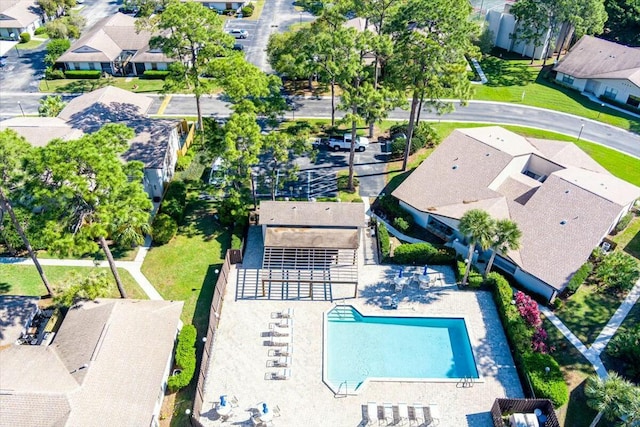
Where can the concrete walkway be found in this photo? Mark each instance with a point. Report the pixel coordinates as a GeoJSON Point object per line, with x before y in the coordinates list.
{"type": "Point", "coordinates": [133, 267]}
{"type": "Point", "coordinates": [593, 353]}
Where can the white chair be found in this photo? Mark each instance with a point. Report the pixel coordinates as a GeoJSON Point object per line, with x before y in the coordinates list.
{"type": "Point", "coordinates": [285, 351]}
{"type": "Point", "coordinates": [284, 374]}
{"type": "Point", "coordinates": [434, 414]}
{"type": "Point", "coordinates": [279, 331]}
{"type": "Point", "coordinates": [285, 323]}
{"type": "Point", "coordinates": [372, 413]}
{"type": "Point", "coordinates": [281, 341]}
{"type": "Point", "coordinates": [418, 413]}
{"type": "Point", "coordinates": [287, 313]}
{"type": "Point", "coordinates": [282, 362]}
{"type": "Point", "coordinates": [388, 413]}
{"type": "Point", "coordinates": [403, 413]}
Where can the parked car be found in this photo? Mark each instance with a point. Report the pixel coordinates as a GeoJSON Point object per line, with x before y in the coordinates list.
{"type": "Point", "coordinates": [239, 34]}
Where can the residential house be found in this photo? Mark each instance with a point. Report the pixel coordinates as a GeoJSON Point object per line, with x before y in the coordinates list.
{"type": "Point", "coordinates": [114, 46]}
{"type": "Point", "coordinates": [107, 364]}
{"type": "Point", "coordinates": [19, 16]}
{"type": "Point", "coordinates": [563, 201]}
{"type": "Point", "coordinates": [602, 68]}
{"type": "Point", "coordinates": [221, 6]}
{"type": "Point", "coordinates": [156, 142]}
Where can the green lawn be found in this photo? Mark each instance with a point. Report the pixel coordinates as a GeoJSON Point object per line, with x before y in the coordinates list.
{"type": "Point", "coordinates": [629, 239]}
{"type": "Point", "coordinates": [587, 311]}
{"type": "Point", "coordinates": [630, 323]}
{"type": "Point", "coordinates": [31, 44]}
{"type": "Point", "coordinates": [576, 368]}
{"type": "Point", "coordinates": [133, 84]}
{"type": "Point", "coordinates": [24, 280]}
{"type": "Point", "coordinates": [184, 269]}
{"type": "Point", "coordinates": [516, 81]}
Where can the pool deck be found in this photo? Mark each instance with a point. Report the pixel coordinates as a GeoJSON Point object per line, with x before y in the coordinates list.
{"type": "Point", "coordinates": [240, 362]}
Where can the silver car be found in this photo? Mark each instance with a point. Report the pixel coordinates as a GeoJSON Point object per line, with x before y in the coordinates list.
{"type": "Point", "coordinates": [239, 34]}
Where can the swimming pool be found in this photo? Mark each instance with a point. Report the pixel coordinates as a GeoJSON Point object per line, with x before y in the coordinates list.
{"type": "Point", "coordinates": [360, 348]}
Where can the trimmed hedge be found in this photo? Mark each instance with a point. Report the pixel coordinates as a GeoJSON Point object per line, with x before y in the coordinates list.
{"type": "Point", "coordinates": [238, 234]}
{"type": "Point", "coordinates": [579, 277]}
{"type": "Point", "coordinates": [383, 240]}
{"type": "Point", "coordinates": [533, 365]}
{"type": "Point", "coordinates": [83, 74]}
{"type": "Point", "coordinates": [623, 223]}
{"type": "Point", "coordinates": [25, 37]}
{"type": "Point", "coordinates": [422, 253]}
{"type": "Point", "coordinates": [175, 200]}
{"type": "Point", "coordinates": [401, 225]}
{"type": "Point", "coordinates": [40, 30]}
{"type": "Point", "coordinates": [164, 229]}
{"type": "Point", "coordinates": [475, 279]}
{"type": "Point", "coordinates": [185, 358]}
{"type": "Point", "coordinates": [155, 74]}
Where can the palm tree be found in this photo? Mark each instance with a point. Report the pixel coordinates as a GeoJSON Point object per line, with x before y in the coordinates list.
{"type": "Point", "coordinates": [614, 397]}
{"type": "Point", "coordinates": [479, 228]}
{"type": "Point", "coordinates": [507, 238]}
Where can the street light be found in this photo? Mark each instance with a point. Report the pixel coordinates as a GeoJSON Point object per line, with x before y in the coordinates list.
{"type": "Point", "coordinates": [600, 112]}
{"type": "Point", "coordinates": [580, 133]}
{"type": "Point", "coordinates": [20, 105]}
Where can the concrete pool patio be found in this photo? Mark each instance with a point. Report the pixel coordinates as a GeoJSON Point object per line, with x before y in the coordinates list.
{"type": "Point", "coordinates": [240, 361]}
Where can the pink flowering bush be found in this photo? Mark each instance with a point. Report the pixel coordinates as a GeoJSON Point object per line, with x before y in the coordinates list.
{"type": "Point", "coordinates": [528, 309]}
{"type": "Point", "coordinates": [539, 342]}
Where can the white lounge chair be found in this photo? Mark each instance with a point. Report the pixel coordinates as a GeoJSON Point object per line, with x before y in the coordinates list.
{"type": "Point", "coordinates": [434, 414]}
{"type": "Point", "coordinates": [281, 341]}
{"type": "Point", "coordinates": [418, 413]}
{"type": "Point", "coordinates": [284, 374]}
{"type": "Point", "coordinates": [285, 351]}
{"type": "Point", "coordinates": [287, 313]}
{"type": "Point", "coordinates": [388, 413]}
{"type": "Point", "coordinates": [285, 323]}
{"type": "Point", "coordinates": [372, 413]}
{"type": "Point", "coordinates": [279, 331]}
{"type": "Point", "coordinates": [282, 362]}
{"type": "Point", "coordinates": [403, 413]}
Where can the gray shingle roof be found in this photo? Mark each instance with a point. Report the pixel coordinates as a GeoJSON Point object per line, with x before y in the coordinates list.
{"type": "Point", "coordinates": [126, 363]}
{"type": "Point", "coordinates": [576, 192]}
{"type": "Point", "coordinates": [313, 214]}
{"type": "Point", "coordinates": [18, 13]}
{"type": "Point", "coordinates": [105, 105]}
{"type": "Point", "coordinates": [592, 57]}
{"type": "Point", "coordinates": [40, 130]}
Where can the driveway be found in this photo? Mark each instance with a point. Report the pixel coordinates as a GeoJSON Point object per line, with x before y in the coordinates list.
{"type": "Point", "coordinates": [277, 16]}
{"type": "Point", "coordinates": [22, 73]}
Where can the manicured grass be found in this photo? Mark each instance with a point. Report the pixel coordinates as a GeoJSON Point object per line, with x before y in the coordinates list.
{"type": "Point", "coordinates": [629, 239]}
{"type": "Point", "coordinates": [516, 81]}
{"type": "Point", "coordinates": [184, 269]}
{"type": "Point", "coordinates": [31, 44]}
{"type": "Point", "coordinates": [630, 323]}
{"type": "Point", "coordinates": [576, 368]}
{"type": "Point", "coordinates": [118, 255]}
{"type": "Point", "coordinates": [134, 84]}
{"type": "Point", "coordinates": [24, 280]}
{"type": "Point", "coordinates": [259, 5]}
{"type": "Point", "coordinates": [587, 311]}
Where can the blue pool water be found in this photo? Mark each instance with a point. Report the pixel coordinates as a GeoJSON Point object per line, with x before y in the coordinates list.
{"type": "Point", "coordinates": [360, 347]}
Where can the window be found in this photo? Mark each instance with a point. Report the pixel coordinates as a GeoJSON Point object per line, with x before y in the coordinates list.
{"type": "Point", "coordinates": [92, 66]}
{"type": "Point", "coordinates": [610, 93]}
{"type": "Point", "coordinates": [634, 101]}
{"type": "Point", "coordinates": [76, 65]}
{"type": "Point", "coordinates": [567, 79]}
{"type": "Point", "coordinates": [154, 65]}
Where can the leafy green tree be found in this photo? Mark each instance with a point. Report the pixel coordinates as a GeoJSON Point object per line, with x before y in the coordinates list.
{"type": "Point", "coordinates": [533, 22]}
{"type": "Point", "coordinates": [431, 40]}
{"type": "Point", "coordinates": [88, 194]}
{"type": "Point", "coordinates": [191, 34]}
{"type": "Point", "coordinates": [623, 22]}
{"type": "Point", "coordinates": [79, 287]}
{"type": "Point", "coordinates": [614, 397]}
{"type": "Point", "coordinates": [479, 228]}
{"type": "Point", "coordinates": [287, 54]}
{"type": "Point", "coordinates": [507, 238]}
{"type": "Point", "coordinates": [626, 347]}
{"type": "Point", "coordinates": [279, 151]}
{"type": "Point", "coordinates": [617, 272]}
{"type": "Point", "coordinates": [50, 106]}
{"type": "Point", "coordinates": [55, 48]}
{"type": "Point", "coordinates": [14, 152]}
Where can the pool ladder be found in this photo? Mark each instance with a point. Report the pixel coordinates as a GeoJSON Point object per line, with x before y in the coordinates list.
{"type": "Point", "coordinates": [342, 391]}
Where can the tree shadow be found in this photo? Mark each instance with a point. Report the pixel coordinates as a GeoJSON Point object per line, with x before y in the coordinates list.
{"type": "Point", "coordinates": [578, 414]}
{"type": "Point", "coordinates": [502, 72]}
{"type": "Point", "coordinates": [4, 287]}
{"type": "Point", "coordinates": [633, 247]}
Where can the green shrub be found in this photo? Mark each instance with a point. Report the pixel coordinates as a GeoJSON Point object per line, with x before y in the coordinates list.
{"type": "Point", "coordinates": [51, 73]}
{"type": "Point", "coordinates": [475, 279]}
{"type": "Point", "coordinates": [391, 209]}
{"type": "Point", "coordinates": [164, 229]}
{"type": "Point", "coordinates": [423, 136]}
{"type": "Point", "coordinates": [549, 385]}
{"type": "Point", "coordinates": [55, 48]}
{"type": "Point", "coordinates": [155, 74]}
{"type": "Point", "coordinates": [383, 240]}
{"type": "Point", "coordinates": [401, 224]}
{"type": "Point", "coordinates": [184, 161]}
{"type": "Point", "coordinates": [238, 234]}
{"type": "Point", "coordinates": [83, 74]}
{"type": "Point", "coordinates": [623, 223]}
{"type": "Point", "coordinates": [175, 201]}
{"type": "Point", "coordinates": [546, 385]}
{"type": "Point", "coordinates": [246, 11]}
{"type": "Point", "coordinates": [579, 277]}
{"type": "Point", "coordinates": [185, 358]}
{"type": "Point", "coordinates": [626, 347]}
{"type": "Point", "coordinates": [343, 182]}
{"type": "Point", "coordinates": [422, 253]}
{"type": "Point", "coordinates": [25, 37]}
{"type": "Point", "coordinates": [40, 30]}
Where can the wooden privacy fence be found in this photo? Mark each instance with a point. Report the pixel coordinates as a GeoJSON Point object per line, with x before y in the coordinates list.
{"type": "Point", "coordinates": [233, 256]}
{"type": "Point", "coordinates": [505, 407]}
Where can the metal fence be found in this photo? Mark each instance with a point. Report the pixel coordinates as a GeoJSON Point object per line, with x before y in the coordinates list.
{"type": "Point", "coordinates": [233, 256]}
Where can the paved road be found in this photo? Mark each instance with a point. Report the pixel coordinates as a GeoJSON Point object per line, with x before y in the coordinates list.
{"type": "Point", "coordinates": [22, 73]}
{"type": "Point", "coordinates": [277, 16]}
